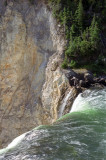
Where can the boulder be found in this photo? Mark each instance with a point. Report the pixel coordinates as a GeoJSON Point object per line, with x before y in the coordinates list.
{"type": "Point", "coordinates": [88, 77]}
{"type": "Point", "coordinates": [96, 80]}
{"type": "Point", "coordinates": [102, 81]}
{"type": "Point", "coordinates": [70, 73]}
{"type": "Point", "coordinates": [82, 83]}
{"type": "Point", "coordinates": [87, 84]}
{"type": "Point", "coordinates": [74, 81]}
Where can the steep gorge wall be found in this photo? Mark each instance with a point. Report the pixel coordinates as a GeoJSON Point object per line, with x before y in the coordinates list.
{"type": "Point", "coordinates": [29, 36]}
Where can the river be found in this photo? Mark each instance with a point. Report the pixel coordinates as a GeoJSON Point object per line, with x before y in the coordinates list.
{"type": "Point", "coordinates": [79, 135]}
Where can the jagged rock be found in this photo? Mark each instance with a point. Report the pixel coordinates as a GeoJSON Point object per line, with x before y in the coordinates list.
{"type": "Point", "coordinates": [70, 73]}
{"type": "Point", "coordinates": [74, 81]}
{"type": "Point", "coordinates": [102, 81]}
{"type": "Point", "coordinates": [82, 83]}
{"type": "Point", "coordinates": [71, 81]}
{"type": "Point", "coordinates": [80, 73]}
{"type": "Point", "coordinates": [54, 66]}
{"type": "Point", "coordinates": [87, 84]}
{"type": "Point", "coordinates": [74, 91]}
{"type": "Point", "coordinates": [53, 91]}
{"type": "Point", "coordinates": [28, 37]}
{"type": "Point", "coordinates": [88, 77]}
{"type": "Point", "coordinates": [96, 80]}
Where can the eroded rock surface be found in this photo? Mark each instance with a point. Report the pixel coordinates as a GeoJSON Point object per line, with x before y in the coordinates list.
{"type": "Point", "coordinates": [28, 37]}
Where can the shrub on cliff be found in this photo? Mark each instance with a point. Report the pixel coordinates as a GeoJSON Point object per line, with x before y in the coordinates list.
{"type": "Point", "coordinates": [31, 1]}
{"type": "Point", "coordinates": [84, 26]}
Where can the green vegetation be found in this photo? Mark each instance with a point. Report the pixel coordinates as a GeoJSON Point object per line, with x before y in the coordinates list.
{"type": "Point", "coordinates": [31, 1]}
{"type": "Point", "coordinates": [84, 24]}
{"type": "Point", "coordinates": [5, 3]}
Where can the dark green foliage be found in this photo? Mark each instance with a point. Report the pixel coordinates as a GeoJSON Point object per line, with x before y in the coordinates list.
{"type": "Point", "coordinates": [79, 16]}
{"type": "Point", "coordinates": [84, 25]}
{"type": "Point", "coordinates": [65, 63]}
{"type": "Point", "coordinates": [85, 44]}
{"type": "Point", "coordinates": [31, 1]}
{"type": "Point", "coordinates": [73, 64]}
{"type": "Point", "coordinates": [5, 3]}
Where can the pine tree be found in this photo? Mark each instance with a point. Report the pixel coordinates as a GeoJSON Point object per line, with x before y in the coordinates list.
{"type": "Point", "coordinates": [94, 33]}
{"type": "Point", "coordinates": [72, 32]}
{"type": "Point", "coordinates": [64, 18]}
{"type": "Point", "coordinates": [79, 16]}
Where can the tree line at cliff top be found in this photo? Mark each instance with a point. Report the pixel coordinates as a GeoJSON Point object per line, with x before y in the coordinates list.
{"type": "Point", "coordinates": [84, 24]}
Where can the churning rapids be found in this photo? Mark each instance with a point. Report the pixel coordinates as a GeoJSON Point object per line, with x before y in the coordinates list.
{"type": "Point", "coordinates": [79, 135]}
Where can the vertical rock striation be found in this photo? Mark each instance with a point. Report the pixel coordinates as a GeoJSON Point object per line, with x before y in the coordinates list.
{"type": "Point", "coordinates": [32, 84]}
{"type": "Point", "coordinates": [28, 37]}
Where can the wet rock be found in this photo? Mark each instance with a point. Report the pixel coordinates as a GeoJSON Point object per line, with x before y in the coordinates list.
{"type": "Point", "coordinates": [74, 81]}
{"type": "Point", "coordinates": [96, 80]}
{"type": "Point", "coordinates": [87, 84]}
{"type": "Point", "coordinates": [71, 81]}
{"type": "Point", "coordinates": [70, 73]}
{"type": "Point", "coordinates": [82, 83]}
{"type": "Point", "coordinates": [80, 73]}
{"type": "Point", "coordinates": [53, 92]}
{"type": "Point", "coordinates": [74, 93]}
{"type": "Point", "coordinates": [88, 77]}
{"type": "Point", "coordinates": [102, 81]}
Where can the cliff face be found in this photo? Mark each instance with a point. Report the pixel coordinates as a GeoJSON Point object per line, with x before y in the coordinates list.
{"type": "Point", "coordinates": [28, 37]}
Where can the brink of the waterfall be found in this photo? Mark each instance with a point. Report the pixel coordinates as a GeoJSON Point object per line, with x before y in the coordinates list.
{"type": "Point", "coordinates": [79, 134]}
{"type": "Point", "coordinates": [52, 79]}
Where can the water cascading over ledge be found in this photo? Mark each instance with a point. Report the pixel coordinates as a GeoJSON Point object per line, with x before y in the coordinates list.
{"type": "Point", "coordinates": [80, 134]}
{"type": "Point", "coordinates": [30, 40]}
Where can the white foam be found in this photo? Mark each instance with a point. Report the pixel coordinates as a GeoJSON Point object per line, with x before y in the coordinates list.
{"type": "Point", "coordinates": [13, 144]}
{"type": "Point", "coordinates": [90, 99]}
{"type": "Point", "coordinates": [79, 104]}
{"type": "Point", "coordinates": [62, 107]}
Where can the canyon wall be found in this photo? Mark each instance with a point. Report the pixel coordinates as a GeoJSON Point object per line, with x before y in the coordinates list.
{"type": "Point", "coordinates": [29, 39]}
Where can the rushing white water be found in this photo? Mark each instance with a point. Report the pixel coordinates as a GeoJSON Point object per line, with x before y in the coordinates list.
{"type": "Point", "coordinates": [13, 144]}
{"type": "Point", "coordinates": [89, 100]}
{"type": "Point", "coordinates": [62, 107]}
{"type": "Point", "coordinates": [79, 135]}
{"type": "Point", "coordinates": [79, 104]}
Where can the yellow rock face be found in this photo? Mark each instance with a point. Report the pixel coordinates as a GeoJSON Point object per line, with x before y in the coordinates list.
{"type": "Point", "coordinates": [23, 57]}
{"type": "Point", "coordinates": [28, 37]}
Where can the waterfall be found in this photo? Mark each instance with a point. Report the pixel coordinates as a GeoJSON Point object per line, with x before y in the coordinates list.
{"type": "Point", "coordinates": [80, 134]}
{"type": "Point", "coordinates": [14, 143]}
{"type": "Point", "coordinates": [89, 100]}
{"type": "Point", "coordinates": [79, 104]}
{"type": "Point", "coordinates": [62, 107]}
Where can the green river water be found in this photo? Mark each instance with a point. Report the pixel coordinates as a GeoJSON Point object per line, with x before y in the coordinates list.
{"type": "Point", "coordinates": [79, 135]}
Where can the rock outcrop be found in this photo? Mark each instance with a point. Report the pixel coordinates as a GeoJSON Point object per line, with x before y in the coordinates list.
{"type": "Point", "coordinates": [33, 88]}
{"type": "Point", "coordinates": [29, 35]}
